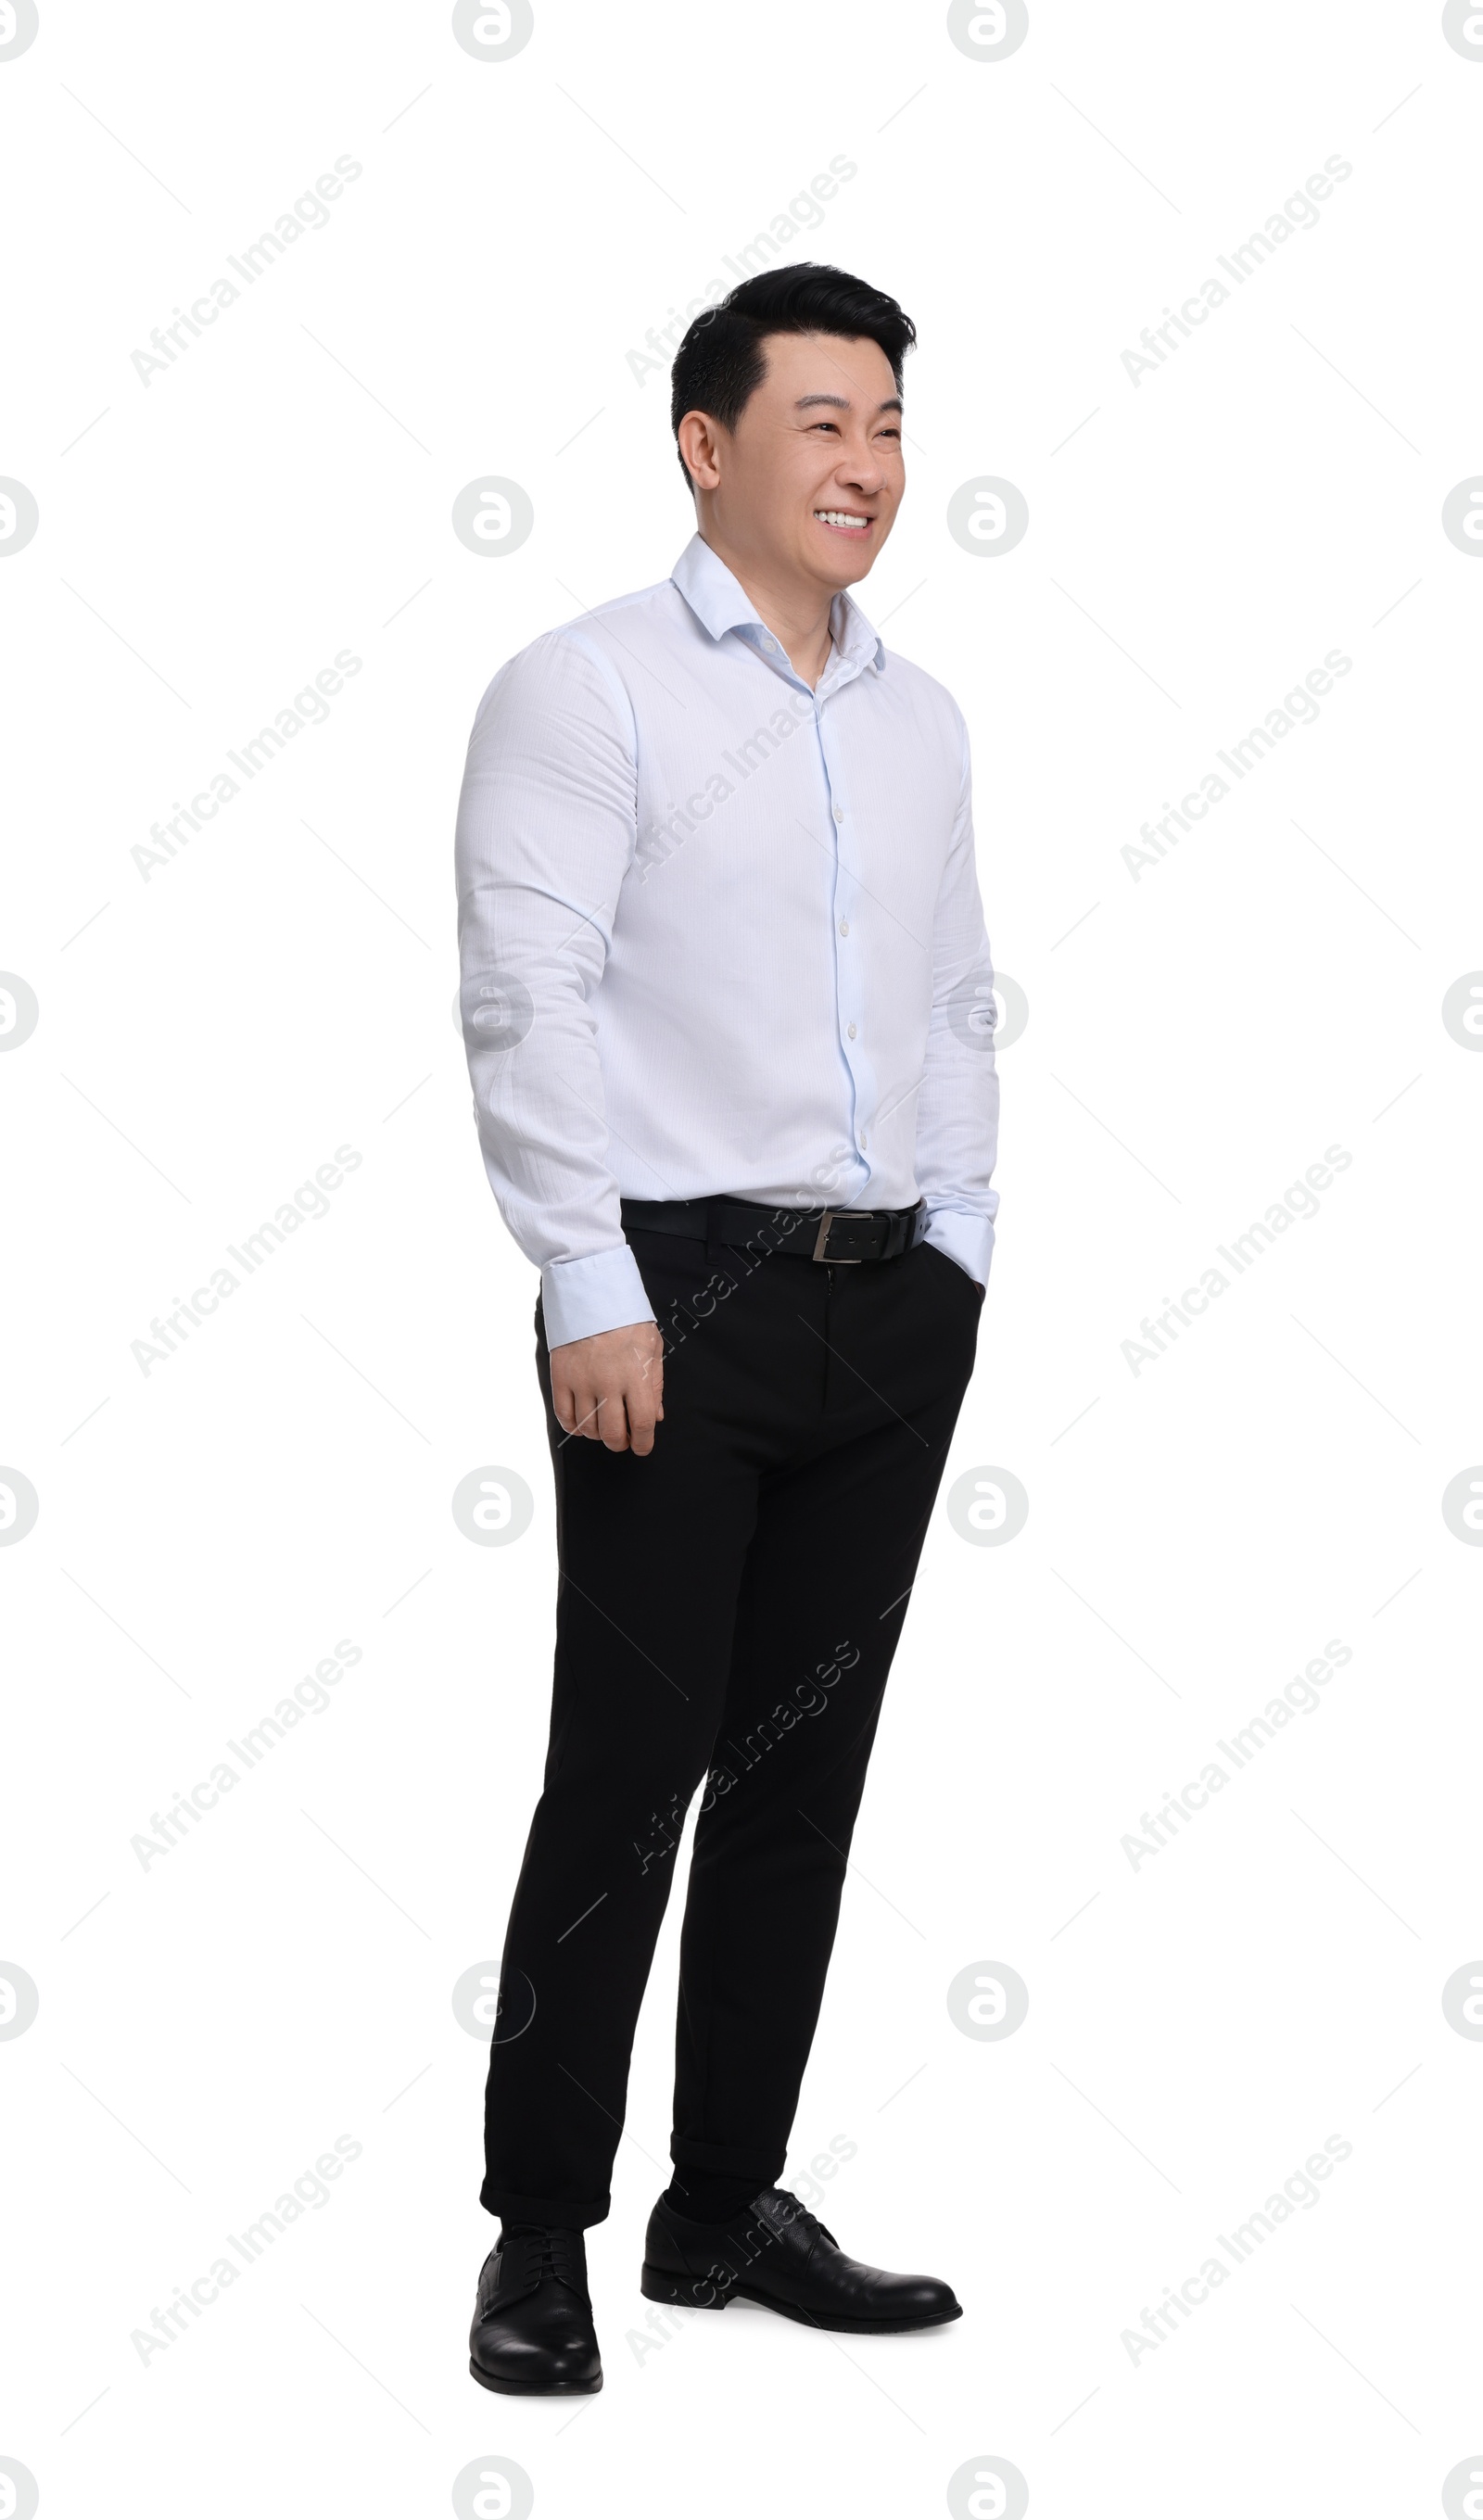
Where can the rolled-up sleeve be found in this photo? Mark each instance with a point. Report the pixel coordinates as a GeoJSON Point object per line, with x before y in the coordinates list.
{"type": "Point", "coordinates": [957, 1111]}
{"type": "Point", "coordinates": [547, 827]}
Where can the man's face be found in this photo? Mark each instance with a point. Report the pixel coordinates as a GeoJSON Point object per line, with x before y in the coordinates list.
{"type": "Point", "coordinates": [812, 475]}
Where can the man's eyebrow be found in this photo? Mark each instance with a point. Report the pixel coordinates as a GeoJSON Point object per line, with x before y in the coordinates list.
{"type": "Point", "coordinates": [841, 402]}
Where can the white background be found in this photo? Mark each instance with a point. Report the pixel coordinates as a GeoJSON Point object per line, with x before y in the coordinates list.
{"type": "Point", "coordinates": [1197, 1038]}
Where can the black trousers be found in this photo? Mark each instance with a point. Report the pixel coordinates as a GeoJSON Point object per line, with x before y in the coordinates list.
{"type": "Point", "coordinates": [728, 1609]}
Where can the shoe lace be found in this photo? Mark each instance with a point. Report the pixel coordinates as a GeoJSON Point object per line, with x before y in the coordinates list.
{"type": "Point", "coordinates": [549, 2257]}
{"type": "Point", "coordinates": [802, 2221]}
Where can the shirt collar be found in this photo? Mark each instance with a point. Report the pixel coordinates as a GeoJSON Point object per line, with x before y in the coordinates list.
{"type": "Point", "coordinates": [719, 604]}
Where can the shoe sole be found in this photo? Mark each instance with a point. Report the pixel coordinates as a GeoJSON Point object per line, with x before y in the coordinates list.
{"type": "Point", "coordinates": [656, 2285]}
{"type": "Point", "coordinates": [518, 2389]}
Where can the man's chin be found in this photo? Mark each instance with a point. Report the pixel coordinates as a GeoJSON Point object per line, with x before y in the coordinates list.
{"type": "Point", "coordinates": [839, 572]}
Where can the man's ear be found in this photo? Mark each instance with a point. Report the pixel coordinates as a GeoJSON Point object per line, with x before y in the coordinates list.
{"type": "Point", "coordinates": [699, 441]}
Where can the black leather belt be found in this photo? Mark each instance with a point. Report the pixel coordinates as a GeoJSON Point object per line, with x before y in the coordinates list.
{"type": "Point", "coordinates": [837, 1234]}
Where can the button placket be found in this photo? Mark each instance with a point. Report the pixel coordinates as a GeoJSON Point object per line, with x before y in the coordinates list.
{"type": "Point", "coordinates": [849, 1029]}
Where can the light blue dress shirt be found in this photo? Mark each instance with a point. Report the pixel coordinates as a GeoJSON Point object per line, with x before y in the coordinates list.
{"type": "Point", "coordinates": [719, 932]}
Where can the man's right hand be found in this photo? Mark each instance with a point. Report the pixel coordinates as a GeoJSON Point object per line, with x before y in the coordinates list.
{"type": "Point", "coordinates": [611, 1387]}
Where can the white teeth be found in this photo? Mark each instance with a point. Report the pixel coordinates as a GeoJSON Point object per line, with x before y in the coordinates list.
{"type": "Point", "coordinates": [839, 516]}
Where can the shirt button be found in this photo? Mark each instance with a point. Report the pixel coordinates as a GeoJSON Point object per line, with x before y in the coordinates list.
{"type": "Point", "coordinates": [864, 1141]}
{"type": "Point", "coordinates": [844, 927]}
{"type": "Point", "coordinates": [851, 1030]}
{"type": "Point", "coordinates": [838, 813]}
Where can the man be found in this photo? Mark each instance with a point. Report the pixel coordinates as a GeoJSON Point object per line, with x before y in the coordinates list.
{"type": "Point", "coordinates": [725, 994]}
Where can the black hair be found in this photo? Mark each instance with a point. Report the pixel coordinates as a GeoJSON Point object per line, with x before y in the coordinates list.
{"type": "Point", "coordinates": [720, 362]}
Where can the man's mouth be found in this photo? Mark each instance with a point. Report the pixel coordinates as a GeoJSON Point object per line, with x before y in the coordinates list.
{"type": "Point", "coordinates": [845, 521]}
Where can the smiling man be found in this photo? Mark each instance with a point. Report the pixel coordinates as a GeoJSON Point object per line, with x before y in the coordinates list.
{"type": "Point", "coordinates": [725, 995]}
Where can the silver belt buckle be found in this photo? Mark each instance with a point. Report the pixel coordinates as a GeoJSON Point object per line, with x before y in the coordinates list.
{"type": "Point", "coordinates": [820, 1245]}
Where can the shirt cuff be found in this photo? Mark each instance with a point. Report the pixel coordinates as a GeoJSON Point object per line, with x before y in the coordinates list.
{"type": "Point", "coordinates": [968, 1239]}
{"type": "Point", "coordinates": [579, 1298]}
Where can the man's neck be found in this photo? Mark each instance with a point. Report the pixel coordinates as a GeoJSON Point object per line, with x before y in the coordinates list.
{"type": "Point", "coordinates": [797, 614]}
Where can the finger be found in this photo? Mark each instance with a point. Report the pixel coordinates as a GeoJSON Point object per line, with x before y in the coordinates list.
{"type": "Point", "coordinates": [582, 1408]}
{"type": "Point", "coordinates": [590, 1420]}
{"type": "Point", "coordinates": [645, 1398]}
{"type": "Point", "coordinates": [564, 1402]}
{"type": "Point", "coordinates": [612, 1421]}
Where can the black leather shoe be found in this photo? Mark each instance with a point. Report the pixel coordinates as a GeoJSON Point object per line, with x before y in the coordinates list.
{"type": "Point", "coordinates": [532, 2335]}
{"type": "Point", "coordinates": [777, 2254]}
